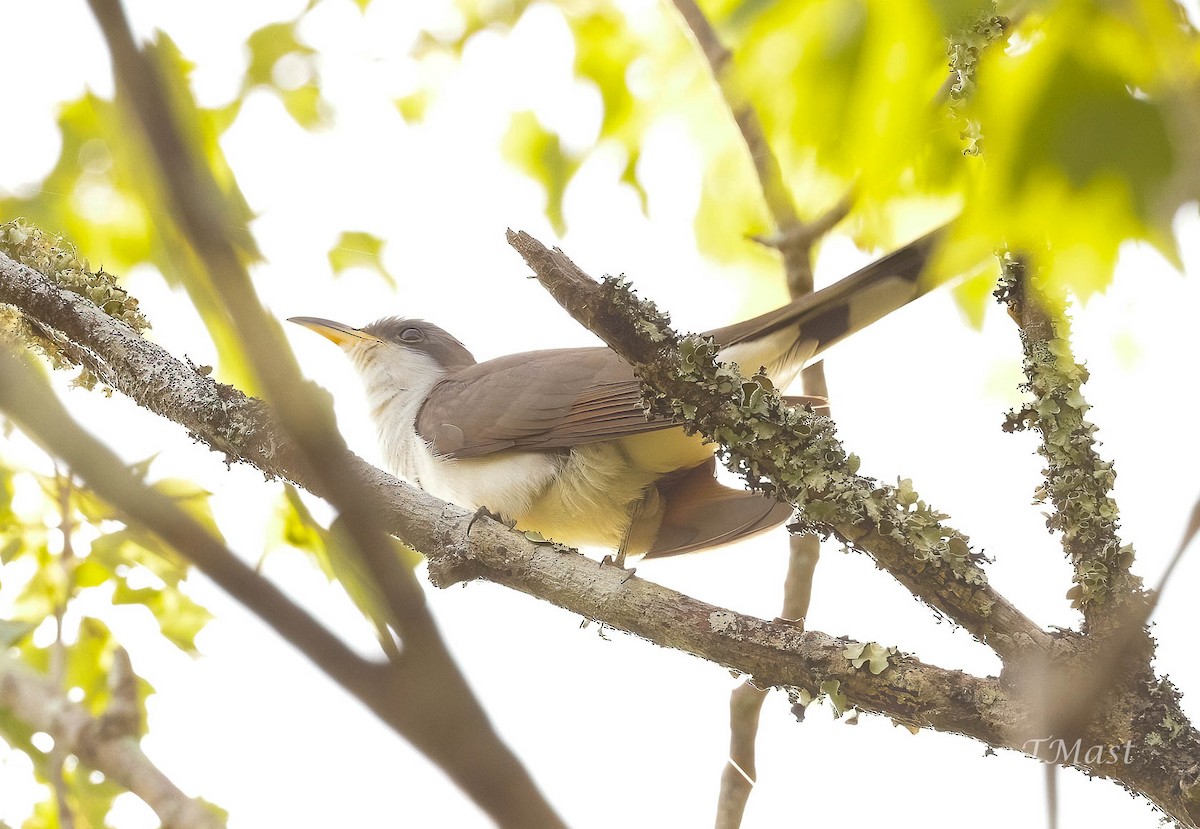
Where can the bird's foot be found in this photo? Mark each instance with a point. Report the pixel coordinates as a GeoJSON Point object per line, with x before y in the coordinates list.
{"type": "Point", "coordinates": [619, 562]}
{"type": "Point", "coordinates": [484, 512]}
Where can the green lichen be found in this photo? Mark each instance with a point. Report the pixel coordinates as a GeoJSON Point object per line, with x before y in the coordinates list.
{"type": "Point", "coordinates": [1078, 482]}
{"type": "Point", "coordinates": [58, 261]}
{"type": "Point", "coordinates": [788, 452]}
{"type": "Point", "coordinates": [830, 689]}
{"type": "Point", "coordinates": [876, 657]}
{"type": "Point", "coordinates": [964, 49]}
{"type": "Point", "coordinates": [1167, 735]}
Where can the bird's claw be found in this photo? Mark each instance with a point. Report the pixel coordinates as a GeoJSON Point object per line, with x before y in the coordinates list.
{"type": "Point", "coordinates": [619, 562]}
{"type": "Point", "coordinates": [484, 512]}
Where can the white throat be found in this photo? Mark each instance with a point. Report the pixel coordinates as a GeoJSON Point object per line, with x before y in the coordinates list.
{"type": "Point", "coordinates": [396, 381]}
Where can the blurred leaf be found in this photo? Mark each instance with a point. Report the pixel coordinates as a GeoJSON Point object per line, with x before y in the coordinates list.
{"type": "Point", "coordinates": [88, 659]}
{"type": "Point", "coordinates": [13, 631]}
{"type": "Point", "coordinates": [539, 154]}
{"type": "Point", "coordinates": [193, 499]}
{"type": "Point", "coordinates": [267, 46]}
{"type": "Point", "coordinates": [90, 573]}
{"type": "Point", "coordinates": [606, 49]}
{"type": "Point", "coordinates": [140, 469]}
{"type": "Point", "coordinates": [282, 63]}
{"type": "Point", "coordinates": [8, 518]}
{"type": "Point", "coordinates": [119, 550]}
{"type": "Point", "coordinates": [11, 549]}
{"type": "Point", "coordinates": [357, 249]}
{"type": "Point", "coordinates": [105, 197]}
{"type": "Point", "coordinates": [307, 107]}
{"type": "Point", "coordinates": [338, 561]}
{"type": "Point", "coordinates": [92, 797]}
{"type": "Point", "coordinates": [299, 529]}
{"type": "Point", "coordinates": [1080, 137]}
{"type": "Point", "coordinates": [974, 297]}
{"type": "Point", "coordinates": [412, 106]}
{"type": "Point", "coordinates": [178, 616]}
{"type": "Point", "coordinates": [45, 590]}
{"type": "Point", "coordinates": [17, 733]}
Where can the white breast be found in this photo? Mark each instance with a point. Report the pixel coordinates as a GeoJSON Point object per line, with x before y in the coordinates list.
{"type": "Point", "coordinates": [397, 382]}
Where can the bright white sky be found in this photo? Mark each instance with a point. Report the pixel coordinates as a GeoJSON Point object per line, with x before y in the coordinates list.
{"type": "Point", "coordinates": [616, 731]}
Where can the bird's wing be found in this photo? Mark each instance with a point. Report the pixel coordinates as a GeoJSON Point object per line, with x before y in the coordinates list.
{"type": "Point", "coordinates": [539, 399]}
{"type": "Point", "coordinates": [564, 397]}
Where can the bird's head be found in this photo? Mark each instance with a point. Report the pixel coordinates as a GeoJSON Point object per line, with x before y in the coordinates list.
{"type": "Point", "coordinates": [394, 352]}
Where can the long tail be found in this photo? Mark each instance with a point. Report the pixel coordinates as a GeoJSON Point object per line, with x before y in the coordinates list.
{"type": "Point", "coordinates": [785, 339]}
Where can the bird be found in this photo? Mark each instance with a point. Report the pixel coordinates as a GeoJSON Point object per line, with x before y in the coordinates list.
{"type": "Point", "coordinates": [556, 441]}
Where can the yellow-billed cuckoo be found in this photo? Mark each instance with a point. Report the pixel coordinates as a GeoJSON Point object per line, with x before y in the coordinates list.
{"type": "Point", "coordinates": [556, 440]}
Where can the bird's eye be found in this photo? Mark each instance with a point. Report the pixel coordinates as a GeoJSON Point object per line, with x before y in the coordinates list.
{"type": "Point", "coordinates": [412, 335]}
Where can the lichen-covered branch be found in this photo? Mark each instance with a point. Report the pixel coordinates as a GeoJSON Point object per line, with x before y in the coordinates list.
{"type": "Point", "coordinates": [35, 700]}
{"type": "Point", "coordinates": [1164, 744]}
{"type": "Point", "coordinates": [790, 453]}
{"type": "Point", "coordinates": [419, 695]}
{"type": "Point", "coordinates": [220, 415]}
{"type": "Point", "coordinates": [794, 239]}
{"type": "Point", "coordinates": [1078, 482]}
{"type": "Point", "coordinates": [199, 210]}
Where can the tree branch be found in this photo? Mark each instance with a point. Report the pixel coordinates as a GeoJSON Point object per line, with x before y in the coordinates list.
{"type": "Point", "coordinates": [793, 238]}
{"type": "Point", "coordinates": [425, 672]}
{"type": "Point", "coordinates": [36, 700]}
{"type": "Point", "coordinates": [1078, 482]}
{"type": "Point", "coordinates": [789, 453]}
{"type": "Point", "coordinates": [774, 653]}
{"type": "Point", "coordinates": [415, 696]}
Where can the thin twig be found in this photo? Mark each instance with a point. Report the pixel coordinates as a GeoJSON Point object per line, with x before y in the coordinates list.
{"type": "Point", "coordinates": [58, 649]}
{"type": "Point", "coordinates": [38, 701]}
{"type": "Point", "coordinates": [793, 238]}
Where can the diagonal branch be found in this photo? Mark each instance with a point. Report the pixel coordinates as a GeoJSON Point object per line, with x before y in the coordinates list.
{"type": "Point", "coordinates": [490, 773]}
{"type": "Point", "coordinates": [35, 700]}
{"type": "Point", "coordinates": [788, 453]}
{"type": "Point", "coordinates": [793, 238]}
{"type": "Point", "coordinates": [197, 207]}
{"type": "Point", "coordinates": [460, 547]}
{"type": "Point", "coordinates": [417, 698]}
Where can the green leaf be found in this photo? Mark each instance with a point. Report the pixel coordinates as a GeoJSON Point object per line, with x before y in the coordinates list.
{"type": "Point", "coordinates": [106, 199]}
{"type": "Point", "coordinates": [130, 548]}
{"type": "Point", "coordinates": [13, 631]}
{"type": "Point", "coordinates": [11, 549]}
{"type": "Point", "coordinates": [412, 107]}
{"type": "Point", "coordinates": [339, 560]}
{"type": "Point", "coordinates": [179, 617]}
{"type": "Point", "coordinates": [306, 105]}
{"type": "Point", "coordinates": [267, 46]}
{"type": "Point", "coordinates": [358, 249]}
{"type": "Point", "coordinates": [281, 62]}
{"type": "Point", "coordinates": [538, 153]}
{"type": "Point", "coordinates": [7, 517]}
{"type": "Point", "coordinates": [1081, 140]}
{"type": "Point", "coordinates": [88, 660]}
{"type": "Point", "coordinates": [193, 499]}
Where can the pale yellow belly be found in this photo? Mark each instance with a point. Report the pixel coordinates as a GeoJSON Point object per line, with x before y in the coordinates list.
{"type": "Point", "coordinates": [592, 501]}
